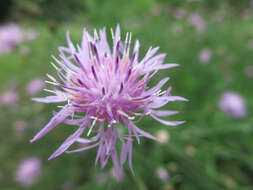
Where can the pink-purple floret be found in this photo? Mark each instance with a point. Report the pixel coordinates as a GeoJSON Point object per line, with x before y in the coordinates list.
{"type": "Point", "coordinates": [103, 88]}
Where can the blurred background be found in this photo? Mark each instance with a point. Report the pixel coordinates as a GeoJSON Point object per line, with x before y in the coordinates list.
{"type": "Point", "coordinates": [212, 40]}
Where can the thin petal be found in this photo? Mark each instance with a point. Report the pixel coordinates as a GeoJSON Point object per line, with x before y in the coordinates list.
{"type": "Point", "coordinates": [161, 101]}
{"type": "Point", "coordinates": [70, 44]}
{"type": "Point", "coordinates": [156, 87]}
{"type": "Point", "coordinates": [117, 35]}
{"type": "Point", "coordinates": [58, 118]}
{"type": "Point", "coordinates": [83, 149]}
{"type": "Point", "coordinates": [51, 99]}
{"type": "Point", "coordinates": [170, 123]}
{"type": "Point", "coordinates": [67, 143]}
{"type": "Point", "coordinates": [70, 140]}
{"type": "Point", "coordinates": [116, 164]}
{"type": "Point", "coordinates": [163, 113]}
{"type": "Point", "coordinates": [141, 132]}
{"type": "Point", "coordinates": [130, 156]}
{"type": "Point", "coordinates": [123, 154]}
{"type": "Point", "coordinates": [149, 54]}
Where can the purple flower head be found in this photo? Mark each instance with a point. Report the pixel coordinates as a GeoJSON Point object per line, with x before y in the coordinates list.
{"type": "Point", "coordinates": [34, 86]}
{"type": "Point", "coordinates": [28, 171]}
{"type": "Point", "coordinates": [233, 104]}
{"type": "Point", "coordinates": [162, 174]}
{"type": "Point", "coordinates": [10, 36]}
{"type": "Point", "coordinates": [10, 97]}
{"type": "Point", "coordinates": [196, 20]}
{"type": "Point", "coordinates": [205, 56]}
{"type": "Point", "coordinates": [105, 90]}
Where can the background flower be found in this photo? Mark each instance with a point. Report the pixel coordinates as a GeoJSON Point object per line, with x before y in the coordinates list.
{"type": "Point", "coordinates": [28, 171]}
{"type": "Point", "coordinates": [201, 154]}
{"type": "Point", "coordinates": [233, 104]}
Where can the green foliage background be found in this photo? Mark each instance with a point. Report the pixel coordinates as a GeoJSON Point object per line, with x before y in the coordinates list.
{"type": "Point", "coordinates": [221, 155]}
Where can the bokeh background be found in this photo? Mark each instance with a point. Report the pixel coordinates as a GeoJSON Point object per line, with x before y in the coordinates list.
{"type": "Point", "coordinates": [212, 40]}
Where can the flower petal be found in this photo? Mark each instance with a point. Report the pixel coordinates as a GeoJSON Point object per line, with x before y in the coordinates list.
{"type": "Point", "coordinates": [156, 87]}
{"type": "Point", "coordinates": [170, 123]}
{"type": "Point", "coordinates": [163, 113]}
{"type": "Point", "coordinates": [141, 132]}
{"type": "Point", "coordinates": [83, 149]}
{"type": "Point", "coordinates": [69, 141]}
{"type": "Point", "coordinates": [58, 118]}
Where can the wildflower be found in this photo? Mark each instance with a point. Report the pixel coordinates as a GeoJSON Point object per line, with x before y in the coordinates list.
{"type": "Point", "coordinates": [9, 97]}
{"type": "Point", "coordinates": [198, 22]}
{"type": "Point", "coordinates": [179, 13]}
{"type": "Point", "coordinates": [205, 56]}
{"type": "Point", "coordinates": [28, 171]}
{"type": "Point", "coordinates": [10, 36]}
{"type": "Point", "coordinates": [19, 127]}
{"type": "Point", "coordinates": [163, 136]}
{"type": "Point", "coordinates": [233, 104]}
{"type": "Point", "coordinates": [162, 174]}
{"type": "Point", "coordinates": [105, 90]}
{"type": "Point", "coordinates": [34, 86]}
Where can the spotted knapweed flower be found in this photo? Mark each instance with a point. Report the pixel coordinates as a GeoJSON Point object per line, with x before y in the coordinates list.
{"type": "Point", "coordinates": [233, 104]}
{"type": "Point", "coordinates": [28, 171]}
{"type": "Point", "coordinates": [105, 91]}
{"type": "Point", "coordinates": [10, 36]}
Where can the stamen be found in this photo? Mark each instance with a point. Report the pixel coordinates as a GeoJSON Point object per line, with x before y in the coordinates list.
{"type": "Point", "coordinates": [89, 46]}
{"type": "Point", "coordinates": [125, 115]}
{"type": "Point", "coordinates": [103, 91]}
{"type": "Point", "coordinates": [56, 68]}
{"type": "Point", "coordinates": [153, 73]}
{"type": "Point", "coordinates": [156, 93]}
{"type": "Point", "coordinates": [81, 83]}
{"type": "Point", "coordinates": [51, 77]}
{"type": "Point", "coordinates": [161, 93]}
{"type": "Point", "coordinates": [128, 74]}
{"type": "Point", "coordinates": [111, 123]}
{"type": "Point", "coordinates": [51, 91]}
{"type": "Point", "coordinates": [95, 35]}
{"type": "Point", "coordinates": [95, 51]}
{"type": "Point", "coordinates": [53, 83]}
{"type": "Point", "coordinates": [96, 118]}
{"type": "Point", "coordinates": [94, 73]}
{"type": "Point", "coordinates": [62, 65]}
{"type": "Point", "coordinates": [133, 57]}
{"type": "Point", "coordinates": [121, 88]}
{"type": "Point", "coordinates": [117, 64]}
{"type": "Point", "coordinates": [129, 43]}
{"type": "Point", "coordinates": [112, 33]}
{"type": "Point", "coordinates": [126, 40]}
{"type": "Point", "coordinates": [77, 60]}
{"type": "Point", "coordinates": [91, 127]}
{"type": "Point", "coordinates": [117, 46]}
